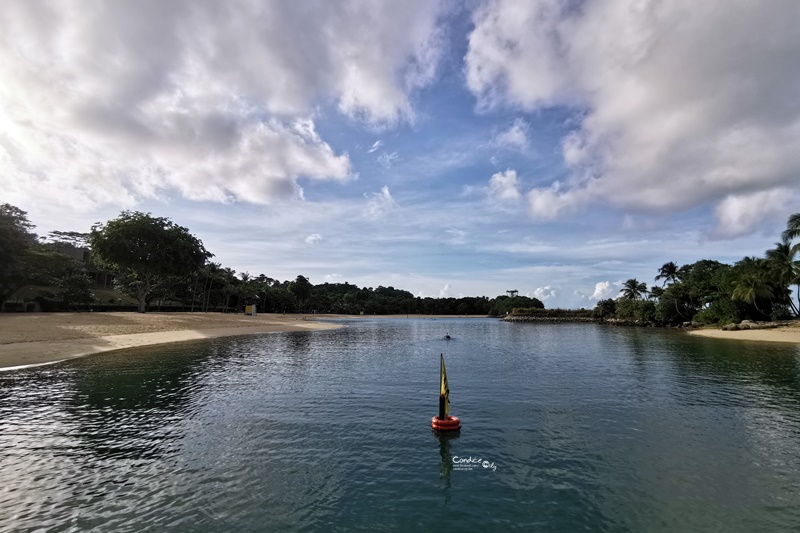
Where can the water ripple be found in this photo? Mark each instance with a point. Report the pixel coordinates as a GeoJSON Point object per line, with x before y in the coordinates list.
{"type": "Point", "coordinates": [580, 426]}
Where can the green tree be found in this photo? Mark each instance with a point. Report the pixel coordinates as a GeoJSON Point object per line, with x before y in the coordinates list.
{"type": "Point", "coordinates": [605, 309]}
{"type": "Point", "coordinates": [633, 290]}
{"type": "Point", "coordinates": [302, 289]}
{"type": "Point", "coordinates": [655, 292]}
{"type": "Point", "coordinates": [786, 269]}
{"type": "Point", "coordinates": [668, 272]}
{"type": "Point", "coordinates": [146, 252]}
{"type": "Point", "coordinates": [75, 288]}
{"type": "Point", "coordinates": [503, 305]}
{"type": "Point", "coordinates": [751, 284]}
{"type": "Point", "coordinates": [639, 311]}
{"type": "Point", "coordinates": [17, 241]}
{"type": "Point", "coordinates": [792, 230]}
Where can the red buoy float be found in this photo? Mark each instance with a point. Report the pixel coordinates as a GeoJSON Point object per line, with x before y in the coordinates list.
{"type": "Point", "coordinates": [450, 423]}
{"type": "Point", "coordinates": [444, 422]}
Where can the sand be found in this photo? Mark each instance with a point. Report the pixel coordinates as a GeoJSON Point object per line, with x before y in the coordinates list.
{"type": "Point", "coordinates": [790, 334]}
{"type": "Point", "coordinates": [41, 338]}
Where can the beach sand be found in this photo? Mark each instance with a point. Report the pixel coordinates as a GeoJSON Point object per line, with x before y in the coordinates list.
{"type": "Point", "coordinates": [40, 338]}
{"type": "Point", "coordinates": [790, 334]}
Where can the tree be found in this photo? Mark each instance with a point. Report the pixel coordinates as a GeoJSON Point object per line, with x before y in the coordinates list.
{"type": "Point", "coordinates": [605, 309]}
{"type": "Point", "coordinates": [69, 238]}
{"type": "Point", "coordinates": [16, 243]}
{"type": "Point", "coordinates": [633, 290]}
{"type": "Point", "coordinates": [749, 289]}
{"type": "Point", "coordinates": [146, 252]}
{"type": "Point", "coordinates": [668, 272]}
{"type": "Point", "coordinates": [792, 230]}
{"type": "Point", "coordinates": [655, 293]}
{"type": "Point", "coordinates": [75, 288]}
{"type": "Point", "coordinates": [751, 283]}
{"type": "Point", "coordinates": [786, 269]}
{"type": "Point", "coordinates": [301, 288]}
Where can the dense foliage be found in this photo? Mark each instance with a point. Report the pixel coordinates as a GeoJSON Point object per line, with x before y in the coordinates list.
{"type": "Point", "coordinates": [147, 254]}
{"type": "Point", "coordinates": [710, 292]}
{"type": "Point", "coordinates": [25, 261]}
{"type": "Point", "coordinates": [155, 260]}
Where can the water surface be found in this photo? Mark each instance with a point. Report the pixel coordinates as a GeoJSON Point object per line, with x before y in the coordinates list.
{"type": "Point", "coordinates": [582, 427]}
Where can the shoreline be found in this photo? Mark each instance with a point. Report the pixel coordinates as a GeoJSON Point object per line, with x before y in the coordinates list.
{"type": "Point", "coordinates": [784, 334]}
{"type": "Point", "coordinates": [35, 339]}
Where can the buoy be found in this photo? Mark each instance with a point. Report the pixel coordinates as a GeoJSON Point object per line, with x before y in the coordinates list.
{"type": "Point", "coordinates": [450, 423]}
{"type": "Point", "coordinates": [443, 421]}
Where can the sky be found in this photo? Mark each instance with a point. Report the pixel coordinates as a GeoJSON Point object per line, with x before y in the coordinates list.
{"type": "Point", "coordinates": [444, 148]}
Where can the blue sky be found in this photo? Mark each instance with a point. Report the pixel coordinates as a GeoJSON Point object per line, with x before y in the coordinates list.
{"type": "Point", "coordinates": [556, 148]}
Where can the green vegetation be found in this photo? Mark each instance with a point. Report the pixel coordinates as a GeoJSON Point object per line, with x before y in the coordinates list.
{"type": "Point", "coordinates": [153, 260]}
{"type": "Point", "coordinates": [26, 261]}
{"type": "Point", "coordinates": [714, 293]}
{"type": "Point", "coordinates": [505, 305]}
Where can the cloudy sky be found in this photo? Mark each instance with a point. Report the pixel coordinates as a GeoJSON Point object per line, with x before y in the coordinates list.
{"type": "Point", "coordinates": [553, 147]}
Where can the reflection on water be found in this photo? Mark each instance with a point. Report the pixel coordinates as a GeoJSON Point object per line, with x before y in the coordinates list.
{"type": "Point", "coordinates": [445, 445]}
{"type": "Point", "coordinates": [609, 429]}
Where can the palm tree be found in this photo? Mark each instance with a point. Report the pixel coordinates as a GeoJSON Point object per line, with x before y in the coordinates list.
{"type": "Point", "coordinates": [655, 292]}
{"type": "Point", "coordinates": [749, 288]}
{"type": "Point", "coordinates": [668, 272]}
{"type": "Point", "coordinates": [785, 268]}
{"type": "Point", "coordinates": [792, 230]}
{"type": "Point", "coordinates": [633, 290]}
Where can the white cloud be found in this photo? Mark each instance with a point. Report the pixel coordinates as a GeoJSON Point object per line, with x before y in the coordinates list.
{"type": "Point", "coordinates": [387, 160]}
{"type": "Point", "coordinates": [377, 144]}
{"type": "Point", "coordinates": [602, 290]}
{"type": "Point", "coordinates": [379, 203]}
{"type": "Point", "coordinates": [680, 103]}
{"type": "Point", "coordinates": [515, 137]}
{"type": "Point", "coordinates": [444, 292]}
{"type": "Point", "coordinates": [549, 203]}
{"type": "Point", "coordinates": [109, 103]}
{"type": "Point", "coordinates": [545, 293]}
{"type": "Point", "coordinates": [737, 214]}
{"type": "Point", "coordinates": [503, 185]}
{"type": "Point", "coordinates": [313, 238]}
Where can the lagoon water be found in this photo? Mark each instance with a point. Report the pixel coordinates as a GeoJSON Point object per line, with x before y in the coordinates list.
{"type": "Point", "coordinates": [577, 427]}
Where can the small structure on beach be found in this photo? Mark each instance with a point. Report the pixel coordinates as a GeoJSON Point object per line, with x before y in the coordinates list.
{"type": "Point", "coordinates": [250, 302]}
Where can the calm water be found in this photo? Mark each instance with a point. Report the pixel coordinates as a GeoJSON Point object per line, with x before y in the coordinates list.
{"type": "Point", "coordinates": [582, 428]}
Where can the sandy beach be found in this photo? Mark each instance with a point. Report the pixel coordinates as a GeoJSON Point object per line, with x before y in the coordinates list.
{"type": "Point", "coordinates": [41, 338]}
{"type": "Point", "coordinates": [790, 334]}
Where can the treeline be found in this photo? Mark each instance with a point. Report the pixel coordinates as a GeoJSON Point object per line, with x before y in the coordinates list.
{"type": "Point", "coordinates": [27, 260]}
{"type": "Point", "coordinates": [713, 293]}
{"type": "Point", "coordinates": [157, 263]}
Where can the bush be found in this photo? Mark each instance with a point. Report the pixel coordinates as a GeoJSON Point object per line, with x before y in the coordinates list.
{"type": "Point", "coordinates": [718, 313]}
{"type": "Point", "coordinates": [551, 313]}
{"type": "Point", "coordinates": [605, 309]}
{"type": "Point", "coordinates": [636, 310]}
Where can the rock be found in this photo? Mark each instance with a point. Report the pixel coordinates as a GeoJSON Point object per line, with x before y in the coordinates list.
{"type": "Point", "coordinates": [730, 327]}
{"type": "Point", "coordinates": [686, 325]}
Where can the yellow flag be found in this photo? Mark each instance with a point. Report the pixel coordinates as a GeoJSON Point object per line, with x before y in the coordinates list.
{"type": "Point", "coordinates": [444, 390]}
